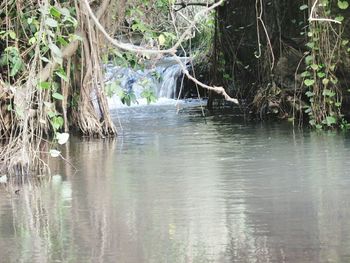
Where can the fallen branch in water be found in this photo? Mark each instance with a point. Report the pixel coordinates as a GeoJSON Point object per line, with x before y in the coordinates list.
{"type": "Point", "coordinates": [171, 51]}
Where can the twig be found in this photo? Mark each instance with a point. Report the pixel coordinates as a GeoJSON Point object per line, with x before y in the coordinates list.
{"type": "Point", "coordinates": [259, 19]}
{"type": "Point", "coordinates": [184, 5]}
{"type": "Point", "coordinates": [312, 18]}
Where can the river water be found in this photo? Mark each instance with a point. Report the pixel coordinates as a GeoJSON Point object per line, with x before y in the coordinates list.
{"type": "Point", "coordinates": [177, 188]}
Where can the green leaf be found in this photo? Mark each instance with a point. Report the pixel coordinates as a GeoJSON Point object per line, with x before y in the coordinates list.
{"type": "Point", "coordinates": [57, 96]}
{"type": "Point", "coordinates": [44, 85]}
{"type": "Point", "coordinates": [312, 122]}
{"type": "Point", "coordinates": [161, 40]}
{"type": "Point", "coordinates": [55, 12]}
{"type": "Point", "coordinates": [55, 50]}
{"type": "Point", "coordinates": [309, 59]}
{"type": "Point", "coordinates": [303, 7]}
{"type": "Point", "coordinates": [321, 74]}
{"type": "Point", "coordinates": [334, 81]}
{"type": "Point", "coordinates": [62, 74]}
{"type": "Point", "coordinates": [343, 4]}
{"type": "Point", "coordinates": [314, 67]}
{"type": "Point", "coordinates": [56, 53]}
{"type": "Point", "coordinates": [12, 34]}
{"type": "Point", "coordinates": [226, 76]}
{"type": "Point", "coordinates": [51, 22]}
{"type": "Point", "coordinates": [64, 11]}
{"type": "Point", "coordinates": [308, 110]}
{"type": "Point", "coordinates": [62, 41]}
{"type": "Point", "coordinates": [51, 114]}
{"type": "Point", "coordinates": [311, 45]}
{"type": "Point", "coordinates": [331, 120]}
{"type": "Point", "coordinates": [339, 18]}
{"type": "Point", "coordinates": [73, 37]}
{"type": "Point", "coordinates": [54, 153]}
{"type": "Point", "coordinates": [309, 82]}
{"type": "Point", "coordinates": [113, 88]}
{"type": "Point", "coordinates": [45, 59]}
{"type": "Point", "coordinates": [305, 74]}
{"type": "Point", "coordinates": [16, 66]}
{"type": "Point", "coordinates": [309, 93]}
{"type": "Point", "coordinates": [62, 137]}
{"type": "Point", "coordinates": [328, 93]}
{"type": "Point", "coordinates": [57, 122]}
{"type": "Point", "coordinates": [32, 41]}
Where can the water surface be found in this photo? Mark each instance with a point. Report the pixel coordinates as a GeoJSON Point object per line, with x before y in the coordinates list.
{"type": "Point", "coordinates": [174, 188]}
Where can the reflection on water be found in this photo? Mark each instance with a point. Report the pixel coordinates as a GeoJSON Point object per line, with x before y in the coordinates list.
{"type": "Point", "coordinates": [176, 189]}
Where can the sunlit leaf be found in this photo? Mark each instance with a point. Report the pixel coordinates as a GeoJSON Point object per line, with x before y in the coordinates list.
{"type": "Point", "coordinates": [51, 22]}
{"type": "Point", "coordinates": [55, 50]}
{"type": "Point", "coordinates": [343, 4]}
{"type": "Point", "coordinates": [303, 7]}
{"type": "Point", "coordinates": [12, 35]}
{"type": "Point", "coordinates": [330, 120]}
{"type": "Point", "coordinates": [62, 74]}
{"type": "Point", "coordinates": [62, 137]}
{"type": "Point", "coordinates": [55, 12]}
{"type": "Point", "coordinates": [161, 40]}
{"type": "Point", "coordinates": [339, 18]}
{"type": "Point", "coordinates": [44, 85]}
{"type": "Point", "coordinates": [309, 82]}
{"type": "Point", "coordinates": [57, 96]}
{"type": "Point", "coordinates": [54, 153]}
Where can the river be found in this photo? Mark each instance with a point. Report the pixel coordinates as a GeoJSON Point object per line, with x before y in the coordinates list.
{"type": "Point", "coordinates": [175, 187]}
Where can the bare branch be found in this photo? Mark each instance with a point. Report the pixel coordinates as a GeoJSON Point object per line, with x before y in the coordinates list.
{"type": "Point", "coordinates": [67, 52]}
{"type": "Point", "coordinates": [171, 51]}
{"type": "Point", "coordinates": [184, 5]}
{"type": "Point", "coordinates": [312, 18]}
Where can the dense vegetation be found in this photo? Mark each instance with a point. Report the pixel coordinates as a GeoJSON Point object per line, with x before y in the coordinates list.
{"type": "Point", "coordinates": [280, 57]}
{"type": "Point", "coordinates": [289, 59]}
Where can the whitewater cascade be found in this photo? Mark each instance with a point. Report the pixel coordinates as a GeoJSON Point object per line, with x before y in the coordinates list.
{"type": "Point", "coordinates": [161, 77]}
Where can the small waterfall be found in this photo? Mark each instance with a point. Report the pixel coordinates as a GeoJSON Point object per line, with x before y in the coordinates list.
{"type": "Point", "coordinates": [161, 78]}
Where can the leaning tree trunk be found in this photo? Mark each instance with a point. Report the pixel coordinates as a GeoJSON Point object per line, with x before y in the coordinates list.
{"type": "Point", "coordinates": [29, 110]}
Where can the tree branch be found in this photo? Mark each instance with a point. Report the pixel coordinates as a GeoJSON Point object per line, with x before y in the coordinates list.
{"type": "Point", "coordinates": [312, 18]}
{"type": "Point", "coordinates": [184, 5]}
{"type": "Point", "coordinates": [171, 51]}
{"type": "Point", "coordinates": [67, 52]}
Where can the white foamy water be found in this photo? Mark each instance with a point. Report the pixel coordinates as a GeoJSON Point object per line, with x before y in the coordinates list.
{"type": "Point", "coordinates": [161, 78]}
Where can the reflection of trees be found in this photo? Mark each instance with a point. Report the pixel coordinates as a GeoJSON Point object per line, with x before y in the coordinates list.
{"type": "Point", "coordinates": [260, 196]}
{"type": "Point", "coordinates": [284, 201]}
{"type": "Point", "coordinates": [36, 222]}
{"type": "Point", "coordinates": [53, 221]}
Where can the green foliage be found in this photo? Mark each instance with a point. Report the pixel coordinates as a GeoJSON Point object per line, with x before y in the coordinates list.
{"type": "Point", "coordinates": [326, 46]}
{"type": "Point", "coordinates": [127, 97]}
{"type": "Point", "coordinates": [343, 4]}
{"type": "Point", "coordinates": [11, 58]}
{"type": "Point", "coordinates": [149, 95]}
{"type": "Point", "coordinates": [112, 88]}
{"type": "Point", "coordinates": [22, 37]}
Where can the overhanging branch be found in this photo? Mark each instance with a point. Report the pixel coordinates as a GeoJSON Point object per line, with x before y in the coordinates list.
{"type": "Point", "coordinates": [184, 5]}
{"type": "Point", "coordinates": [171, 51]}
